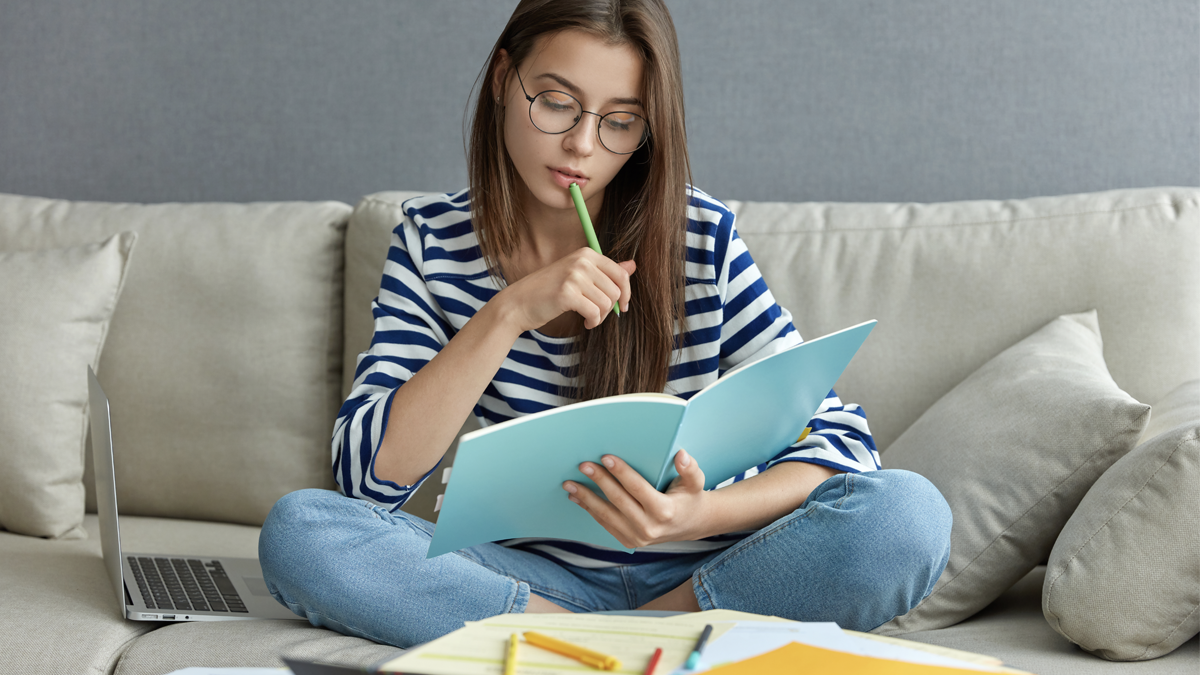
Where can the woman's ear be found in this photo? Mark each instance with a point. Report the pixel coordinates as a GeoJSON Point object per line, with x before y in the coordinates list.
{"type": "Point", "coordinates": [500, 75]}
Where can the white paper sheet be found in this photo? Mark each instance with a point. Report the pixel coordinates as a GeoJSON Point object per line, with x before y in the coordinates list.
{"type": "Point", "coordinates": [748, 639]}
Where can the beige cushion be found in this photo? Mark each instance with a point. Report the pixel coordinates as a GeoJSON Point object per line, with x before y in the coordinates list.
{"type": "Point", "coordinates": [368, 237]}
{"type": "Point", "coordinates": [1014, 448]}
{"type": "Point", "coordinates": [1012, 629]}
{"type": "Point", "coordinates": [246, 644]}
{"type": "Point", "coordinates": [1124, 576]}
{"type": "Point", "coordinates": [953, 284]}
{"type": "Point", "coordinates": [233, 643]}
{"type": "Point", "coordinates": [60, 613]}
{"type": "Point", "coordinates": [367, 240]}
{"type": "Point", "coordinates": [1176, 409]}
{"type": "Point", "coordinates": [223, 362]}
{"type": "Point", "coordinates": [56, 308]}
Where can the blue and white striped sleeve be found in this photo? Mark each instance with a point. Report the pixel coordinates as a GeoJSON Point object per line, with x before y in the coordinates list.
{"type": "Point", "coordinates": [410, 329]}
{"type": "Point", "coordinates": [840, 439]}
{"type": "Point", "coordinates": [755, 327]}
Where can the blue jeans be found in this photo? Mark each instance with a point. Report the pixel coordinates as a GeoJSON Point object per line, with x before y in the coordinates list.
{"type": "Point", "coordinates": [862, 549]}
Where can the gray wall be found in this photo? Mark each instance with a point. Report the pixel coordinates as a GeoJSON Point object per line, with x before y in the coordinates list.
{"type": "Point", "coordinates": [853, 100]}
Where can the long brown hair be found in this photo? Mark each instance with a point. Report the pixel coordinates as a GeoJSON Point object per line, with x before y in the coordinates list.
{"type": "Point", "coordinates": [644, 213]}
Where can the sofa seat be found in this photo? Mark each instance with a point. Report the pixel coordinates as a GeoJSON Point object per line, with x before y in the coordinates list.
{"type": "Point", "coordinates": [286, 291]}
{"type": "Point", "coordinates": [245, 644]}
{"type": "Point", "coordinates": [1013, 629]}
{"type": "Point", "coordinates": [60, 608]}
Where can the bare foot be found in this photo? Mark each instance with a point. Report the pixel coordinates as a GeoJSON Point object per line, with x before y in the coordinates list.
{"type": "Point", "coordinates": [539, 605]}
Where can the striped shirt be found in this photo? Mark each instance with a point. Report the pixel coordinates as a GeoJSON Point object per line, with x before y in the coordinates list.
{"type": "Point", "coordinates": [435, 279]}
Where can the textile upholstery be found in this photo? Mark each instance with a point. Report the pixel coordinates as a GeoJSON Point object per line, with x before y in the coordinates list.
{"type": "Point", "coordinates": [56, 309]}
{"type": "Point", "coordinates": [223, 359]}
{"type": "Point", "coordinates": [1123, 580]}
{"type": "Point", "coordinates": [954, 284]}
{"type": "Point", "coordinates": [1013, 449]}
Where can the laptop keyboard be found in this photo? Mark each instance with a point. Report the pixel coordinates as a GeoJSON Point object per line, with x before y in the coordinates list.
{"type": "Point", "coordinates": [185, 584]}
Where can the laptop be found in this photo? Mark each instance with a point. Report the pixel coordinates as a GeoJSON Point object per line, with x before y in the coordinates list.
{"type": "Point", "coordinates": [163, 587]}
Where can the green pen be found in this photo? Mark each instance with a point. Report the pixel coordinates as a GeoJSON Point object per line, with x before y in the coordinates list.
{"type": "Point", "coordinates": [588, 230]}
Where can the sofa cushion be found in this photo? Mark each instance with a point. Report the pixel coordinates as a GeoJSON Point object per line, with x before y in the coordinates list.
{"type": "Point", "coordinates": [246, 644]}
{"type": "Point", "coordinates": [368, 237]}
{"type": "Point", "coordinates": [1124, 575]}
{"type": "Point", "coordinates": [953, 284]}
{"type": "Point", "coordinates": [56, 304]}
{"type": "Point", "coordinates": [223, 361]}
{"type": "Point", "coordinates": [1012, 629]}
{"type": "Point", "coordinates": [1014, 448]}
{"type": "Point", "coordinates": [1180, 407]}
{"type": "Point", "coordinates": [60, 607]}
{"type": "Point", "coordinates": [226, 643]}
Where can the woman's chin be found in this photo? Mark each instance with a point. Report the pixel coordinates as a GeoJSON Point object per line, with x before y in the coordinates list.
{"type": "Point", "coordinates": [547, 194]}
{"type": "Point", "coordinates": [553, 197]}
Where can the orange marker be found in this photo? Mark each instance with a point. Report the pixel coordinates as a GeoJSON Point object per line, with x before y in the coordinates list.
{"type": "Point", "coordinates": [581, 654]}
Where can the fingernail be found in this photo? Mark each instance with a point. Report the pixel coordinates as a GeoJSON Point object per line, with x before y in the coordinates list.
{"type": "Point", "coordinates": [570, 487]}
{"type": "Point", "coordinates": [608, 461]}
{"type": "Point", "coordinates": [687, 460]}
{"type": "Point", "coordinates": [573, 499]}
{"type": "Point", "coordinates": [587, 468]}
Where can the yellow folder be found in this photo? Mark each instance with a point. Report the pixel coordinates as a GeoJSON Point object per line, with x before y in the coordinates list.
{"type": "Point", "coordinates": [795, 659]}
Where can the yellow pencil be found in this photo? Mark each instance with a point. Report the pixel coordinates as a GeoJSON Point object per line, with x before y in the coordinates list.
{"type": "Point", "coordinates": [581, 654]}
{"type": "Point", "coordinates": [510, 657]}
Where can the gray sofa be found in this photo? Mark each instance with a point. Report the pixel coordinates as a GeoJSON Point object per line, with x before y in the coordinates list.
{"type": "Point", "coordinates": [234, 337]}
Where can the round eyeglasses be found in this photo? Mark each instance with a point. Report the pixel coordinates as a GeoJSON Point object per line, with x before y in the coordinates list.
{"type": "Point", "coordinates": [557, 112]}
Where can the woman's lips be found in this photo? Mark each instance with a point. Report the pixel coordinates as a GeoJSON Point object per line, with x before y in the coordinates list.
{"type": "Point", "coordinates": [564, 179]}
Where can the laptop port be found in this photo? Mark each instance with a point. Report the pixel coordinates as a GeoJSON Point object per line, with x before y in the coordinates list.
{"type": "Point", "coordinates": [168, 617]}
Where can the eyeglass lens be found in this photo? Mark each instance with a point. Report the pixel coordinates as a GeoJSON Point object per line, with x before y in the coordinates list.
{"type": "Point", "coordinates": [556, 112]}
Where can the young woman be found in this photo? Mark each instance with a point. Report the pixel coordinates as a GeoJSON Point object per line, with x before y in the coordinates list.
{"type": "Point", "coordinates": [492, 303]}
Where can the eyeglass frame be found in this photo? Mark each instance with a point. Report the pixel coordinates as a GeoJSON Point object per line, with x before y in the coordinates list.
{"type": "Point", "coordinates": [533, 99]}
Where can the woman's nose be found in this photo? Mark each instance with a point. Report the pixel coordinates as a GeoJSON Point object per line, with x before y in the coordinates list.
{"type": "Point", "coordinates": [581, 139]}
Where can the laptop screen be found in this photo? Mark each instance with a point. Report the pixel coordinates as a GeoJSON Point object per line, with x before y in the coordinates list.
{"type": "Point", "coordinates": [106, 485]}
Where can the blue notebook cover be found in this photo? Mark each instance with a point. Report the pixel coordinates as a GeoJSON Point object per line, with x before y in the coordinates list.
{"type": "Point", "coordinates": [507, 478]}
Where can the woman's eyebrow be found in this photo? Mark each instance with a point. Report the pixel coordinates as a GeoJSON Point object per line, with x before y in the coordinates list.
{"type": "Point", "coordinates": [571, 88]}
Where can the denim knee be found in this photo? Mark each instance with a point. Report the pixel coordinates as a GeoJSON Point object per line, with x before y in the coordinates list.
{"type": "Point", "coordinates": [287, 525]}
{"type": "Point", "coordinates": [907, 522]}
{"type": "Point", "coordinates": [913, 523]}
{"type": "Point", "coordinates": [861, 550]}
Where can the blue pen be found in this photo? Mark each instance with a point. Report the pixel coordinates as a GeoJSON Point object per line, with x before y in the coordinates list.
{"type": "Point", "coordinates": [694, 659]}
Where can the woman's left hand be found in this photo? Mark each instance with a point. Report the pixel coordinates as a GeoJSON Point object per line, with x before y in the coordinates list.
{"type": "Point", "coordinates": [637, 514]}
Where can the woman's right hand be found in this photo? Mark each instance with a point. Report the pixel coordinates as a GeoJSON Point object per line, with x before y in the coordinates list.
{"type": "Point", "coordinates": [584, 282]}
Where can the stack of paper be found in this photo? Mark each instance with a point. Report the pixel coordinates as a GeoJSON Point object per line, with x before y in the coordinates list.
{"type": "Point", "coordinates": [479, 647]}
{"type": "Point", "coordinates": [740, 644]}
